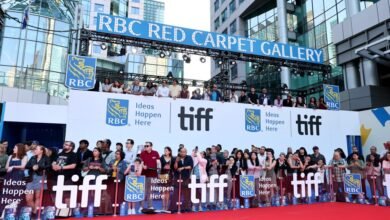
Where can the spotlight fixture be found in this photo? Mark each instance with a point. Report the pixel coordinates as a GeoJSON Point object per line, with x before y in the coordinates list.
{"type": "Point", "coordinates": [312, 90]}
{"type": "Point", "coordinates": [170, 75]}
{"type": "Point", "coordinates": [310, 73]}
{"type": "Point", "coordinates": [284, 86]}
{"type": "Point", "coordinates": [279, 69]}
{"type": "Point", "coordinates": [255, 66]}
{"type": "Point", "coordinates": [121, 71]}
{"type": "Point", "coordinates": [202, 59]}
{"type": "Point", "coordinates": [220, 62]}
{"type": "Point", "coordinates": [168, 53]}
{"type": "Point", "coordinates": [293, 71]}
{"type": "Point", "coordinates": [103, 46]}
{"type": "Point", "coordinates": [186, 58]}
{"type": "Point", "coordinates": [123, 51]}
{"type": "Point", "coordinates": [162, 54]}
{"type": "Point", "coordinates": [232, 62]}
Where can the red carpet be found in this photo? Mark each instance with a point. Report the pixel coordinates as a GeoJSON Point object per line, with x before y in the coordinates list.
{"type": "Point", "coordinates": [318, 211]}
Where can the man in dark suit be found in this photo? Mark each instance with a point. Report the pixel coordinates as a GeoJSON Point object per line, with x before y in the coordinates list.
{"type": "Point", "coordinates": [288, 102]}
{"type": "Point", "coordinates": [264, 98]}
{"type": "Point", "coordinates": [83, 154]}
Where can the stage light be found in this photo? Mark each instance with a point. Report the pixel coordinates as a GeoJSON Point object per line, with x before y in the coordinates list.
{"type": "Point", "coordinates": [123, 51]}
{"type": "Point", "coordinates": [220, 62]}
{"type": "Point", "coordinates": [255, 66]}
{"type": "Point", "coordinates": [162, 54]}
{"type": "Point", "coordinates": [121, 71]}
{"type": "Point", "coordinates": [134, 50]}
{"type": "Point", "coordinates": [202, 59]}
{"type": "Point", "coordinates": [233, 62]}
{"type": "Point", "coordinates": [279, 69]}
{"type": "Point", "coordinates": [103, 46]}
{"type": "Point", "coordinates": [193, 82]}
{"type": "Point", "coordinates": [168, 53]}
{"type": "Point", "coordinates": [170, 75]}
{"type": "Point", "coordinates": [186, 58]}
{"type": "Point", "coordinates": [284, 86]}
{"type": "Point", "coordinates": [310, 73]}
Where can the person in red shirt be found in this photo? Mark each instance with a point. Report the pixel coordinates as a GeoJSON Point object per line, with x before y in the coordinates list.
{"type": "Point", "coordinates": [151, 161]}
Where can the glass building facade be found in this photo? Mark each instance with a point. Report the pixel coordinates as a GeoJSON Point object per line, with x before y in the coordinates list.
{"type": "Point", "coordinates": [35, 58]}
{"type": "Point", "coordinates": [309, 25]}
{"type": "Point", "coordinates": [154, 11]}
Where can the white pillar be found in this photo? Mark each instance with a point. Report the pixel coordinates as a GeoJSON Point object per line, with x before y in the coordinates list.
{"type": "Point", "coordinates": [351, 73]}
{"type": "Point", "coordinates": [282, 23]}
{"type": "Point", "coordinates": [370, 73]}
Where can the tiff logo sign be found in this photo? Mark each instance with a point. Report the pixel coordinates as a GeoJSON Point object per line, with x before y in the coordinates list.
{"type": "Point", "coordinates": [60, 188]}
{"type": "Point", "coordinates": [309, 125]}
{"type": "Point", "coordinates": [202, 114]}
{"type": "Point", "coordinates": [312, 179]}
{"type": "Point", "coordinates": [212, 185]}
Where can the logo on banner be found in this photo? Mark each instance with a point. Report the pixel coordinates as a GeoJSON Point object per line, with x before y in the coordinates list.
{"type": "Point", "coordinates": [309, 125]}
{"type": "Point", "coordinates": [247, 186]}
{"type": "Point", "coordinates": [80, 72]}
{"type": "Point", "coordinates": [353, 183]}
{"type": "Point", "coordinates": [252, 120]}
{"type": "Point", "coordinates": [117, 110]}
{"type": "Point", "coordinates": [220, 185]}
{"type": "Point", "coordinates": [312, 179]}
{"type": "Point", "coordinates": [188, 120]}
{"type": "Point", "coordinates": [135, 188]}
{"type": "Point", "coordinates": [96, 187]}
{"type": "Point", "coordinates": [332, 96]}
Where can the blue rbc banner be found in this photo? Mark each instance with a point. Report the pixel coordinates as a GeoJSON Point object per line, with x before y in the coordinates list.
{"type": "Point", "coordinates": [353, 183]}
{"type": "Point", "coordinates": [135, 188]}
{"type": "Point", "coordinates": [332, 96]}
{"type": "Point", "coordinates": [80, 72]}
{"type": "Point", "coordinates": [252, 120]}
{"type": "Point", "coordinates": [203, 39]}
{"type": "Point", "coordinates": [247, 186]}
{"type": "Point", "coordinates": [117, 112]}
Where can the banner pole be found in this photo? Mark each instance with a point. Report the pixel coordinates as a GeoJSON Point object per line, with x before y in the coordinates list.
{"type": "Point", "coordinates": [41, 195]}
{"type": "Point", "coordinates": [179, 201]}
{"type": "Point", "coordinates": [374, 193]}
{"type": "Point", "coordinates": [234, 193]}
{"type": "Point", "coordinates": [116, 193]}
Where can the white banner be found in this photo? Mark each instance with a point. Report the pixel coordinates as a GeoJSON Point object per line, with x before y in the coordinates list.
{"type": "Point", "coordinates": [168, 122]}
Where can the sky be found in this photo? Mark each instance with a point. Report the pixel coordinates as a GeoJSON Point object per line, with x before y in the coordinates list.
{"type": "Point", "coordinates": [194, 14]}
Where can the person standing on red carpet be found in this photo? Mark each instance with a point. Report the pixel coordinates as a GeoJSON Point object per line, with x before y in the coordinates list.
{"type": "Point", "coordinates": [338, 166]}
{"type": "Point", "coordinates": [151, 160]}
{"type": "Point", "coordinates": [357, 166]}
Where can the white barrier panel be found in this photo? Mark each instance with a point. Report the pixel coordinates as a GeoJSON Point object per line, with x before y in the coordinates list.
{"type": "Point", "coordinates": [168, 122]}
{"type": "Point", "coordinates": [375, 129]}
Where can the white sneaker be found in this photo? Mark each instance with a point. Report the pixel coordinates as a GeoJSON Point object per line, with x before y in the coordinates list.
{"type": "Point", "coordinates": [367, 202]}
{"type": "Point", "coordinates": [193, 209]}
{"type": "Point", "coordinates": [200, 208]}
{"type": "Point", "coordinates": [133, 211]}
{"type": "Point", "coordinates": [347, 199]}
{"type": "Point", "coordinates": [151, 207]}
{"type": "Point", "coordinates": [129, 212]}
{"type": "Point", "coordinates": [140, 209]}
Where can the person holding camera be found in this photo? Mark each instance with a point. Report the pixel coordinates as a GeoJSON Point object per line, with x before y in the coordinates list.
{"type": "Point", "coordinates": [182, 171]}
{"type": "Point", "coordinates": [338, 166]}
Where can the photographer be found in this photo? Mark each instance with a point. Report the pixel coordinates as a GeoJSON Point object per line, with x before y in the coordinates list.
{"type": "Point", "coordinates": [338, 166]}
{"type": "Point", "coordinates": [182, 170]}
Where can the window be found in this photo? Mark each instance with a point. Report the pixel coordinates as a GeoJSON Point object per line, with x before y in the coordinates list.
{"type": "Point", "coordinates": [233, 27]}
{"type": "Point", "coordinates": [136, 1]}
{"type": "Point", "coordinates": [224, 15]}
{"type": "Point", "coordinates": [99, 7]}
{"type": "Point", "coordinates": [216, 23]}
{"type": "Point", "coordinates": [233, 72]}
{"type": "Point", "coordinates": [232, 6]}
{"type": "Point", "coordinates": [216, 5]}
{"type": "Point", "coordinates": [240, 1]}
{"type": "Point", "coordinates": [134, 10]}
{"type": "Point", "coordinates": [94, 21]}
{"type": "Point", "coordinates": [225, 31]}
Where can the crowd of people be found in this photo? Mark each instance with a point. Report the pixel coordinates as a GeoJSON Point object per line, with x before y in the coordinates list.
{"type": "Point", "coordinates": [177, 91]}
{"type": "Point", "coordinates": [32, 161]}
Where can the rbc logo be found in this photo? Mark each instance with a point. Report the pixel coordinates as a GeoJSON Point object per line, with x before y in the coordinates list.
{"type": "Point", "coordinates": [117, 112]}
{"type": "Point", "coordinates": [135, 188]}
{"type": "Point", "coordinates": [252, 120]}
{"type": "Point", "coordinates": [353, 183]}
{"type": "Point", "coordinates": [247, 186]}
{"type": "Point", "coordinates": [80, 73]}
